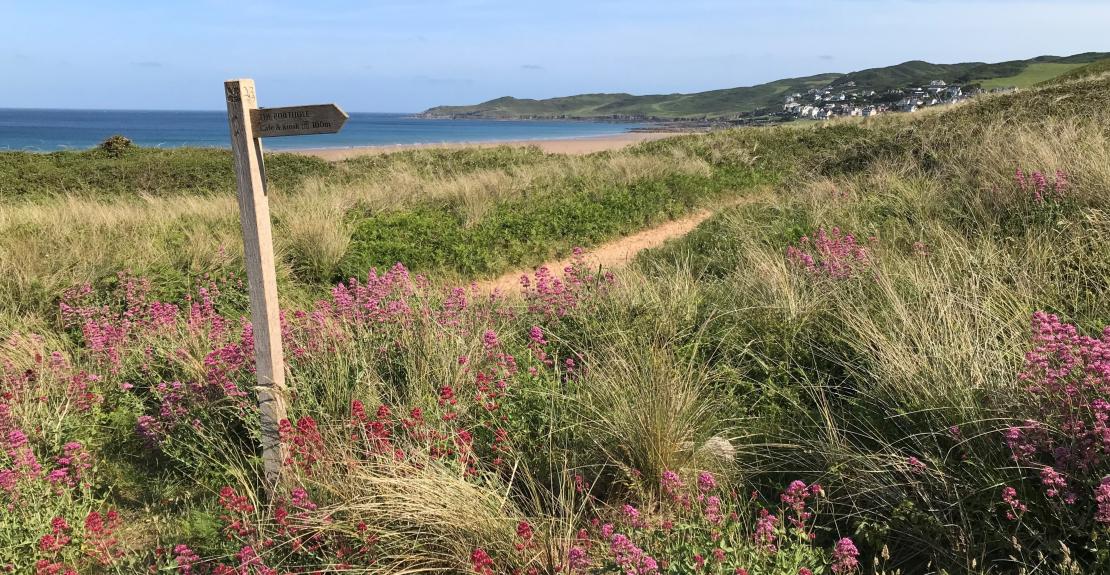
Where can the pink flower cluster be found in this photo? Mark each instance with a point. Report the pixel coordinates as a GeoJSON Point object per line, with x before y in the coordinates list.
{"type": "Point", "coordinates": [833, 255]}
{"type": "Point", "coordinates": [1037, 184]}
{"type": "Point", "coordinates": [550, 296]}
{"type": "Point", "coordinates": [1067, 375]}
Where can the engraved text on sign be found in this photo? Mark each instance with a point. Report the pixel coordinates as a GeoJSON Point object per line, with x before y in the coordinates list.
{"type": "Point", "coordinates": [297, 120]}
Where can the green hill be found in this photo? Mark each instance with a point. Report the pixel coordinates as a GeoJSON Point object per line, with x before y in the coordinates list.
{"type": "Point", "coordinates": [1096, 68]}
{"type": "Point", "coordinates": [734, 101]}
{"type": "Point", "coordinates": [714, 103]}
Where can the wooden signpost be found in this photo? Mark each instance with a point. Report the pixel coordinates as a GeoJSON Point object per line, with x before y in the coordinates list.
{"type": "Point", "coordinates": [248, 124]}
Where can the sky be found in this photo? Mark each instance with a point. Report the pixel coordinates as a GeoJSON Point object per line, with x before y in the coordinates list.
{"type": "Point", "coordinates": [408, 55]}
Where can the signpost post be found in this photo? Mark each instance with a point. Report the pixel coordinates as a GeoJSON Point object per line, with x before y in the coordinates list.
{"type": "Point", "coordinates": [248, 124]}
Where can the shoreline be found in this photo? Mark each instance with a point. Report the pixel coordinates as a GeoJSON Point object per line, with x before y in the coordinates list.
{"type": "Point", "coordinates": [572, 145]}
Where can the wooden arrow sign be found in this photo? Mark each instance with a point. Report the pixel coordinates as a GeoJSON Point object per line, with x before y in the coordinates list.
{"type": "Point", "coordinates": [297, 120]}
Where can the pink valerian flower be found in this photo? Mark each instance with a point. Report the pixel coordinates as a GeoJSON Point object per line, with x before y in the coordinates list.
{"type": "Point", "coordinates": [706, 482]}
{"type": "Point", "coordinates": [916, 465]}
{"type": "Point", "coordinates": [631, 559]}
{"type": "Point", "coordinates": [554, 297]}
{"type": "Point", "coordinates": [832, 255]}
{"type": "Point", "coordinates": [73, 465]}
{"type": "Point", "coordinates": [489, 339]}
{"type": "Point", "coordinates": [304, 440]}
{"type": "Point", "coordinates": [578, 560]}
{"type": "Point", "coordinates": [670, 482]}
{"type": "Point", "coordinates": [1067, 375]}
{"type": "Point", "coordinates": [845, 557]}
{"type": "Point", "coordinates": [1016, 507]}
{"type": "Point", "coordinates": [719, 555]}
{"type": "Point", "coordinates": [1054, 483]}
{"type": "Point", "coordinates": [535, 334]}
{"type": "Point", "coordinates": [699, 562]}
{"type": "Point", "coordinates": [1061, 183]}
{"type": "Point", "coordinates": [301, 500]}
{"type": "Point", "coordinates": [1102, 499]}
{"type": "Point", "coordinates": [100, 531]}
{"type": "Point", "coordinates": [765, 532]}
{"type": "Point", "coordinates": [1039, 186]}
{"type": "Point", "coordinates": [48, 567]}
{"type": "Point", "coordinates": [250, 562]}
{"type": "Point", "coordinates": [795, 496]}
{"type": "Point", "coordinates": [525, 533]}
{"type": "Point", "coordinates": [22, 456]}
{"type": "Point", "coordinates": [1024, 441]}
{"type": "Point", "coordinates": [237, 507]}
{"type": "Point", "coordinates": [480, 562]}
{"type": "Point", "coordinates": [713, 510]}
{"type": "Point", "coordinates": [633, 515]}
{"type": "Point", "coordinates": [805, 571]}
{"type": "Point", "coordinates": [185, 558]}
{"type": "Point", "coordinates": [57, 539]}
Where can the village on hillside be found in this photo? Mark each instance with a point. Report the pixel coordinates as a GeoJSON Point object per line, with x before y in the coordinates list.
{"type": "Point", "coordinates": [844, 101]}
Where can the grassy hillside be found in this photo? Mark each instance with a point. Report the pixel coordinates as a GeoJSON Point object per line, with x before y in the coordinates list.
{"type": "Point", "coordinates": [712, 104]}
{"type": "Point", "coordinates": [1096, 68]}
{"type": "Point", "coordinates": [891, 357]}
{"type": "Point", "coordinates": [732, 101]}
{"type": "Point", "coordinates": [1033, 74]}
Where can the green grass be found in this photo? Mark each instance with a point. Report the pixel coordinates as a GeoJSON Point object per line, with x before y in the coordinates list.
{"type": "Point", "coordinates": [518, 233]}
{"type": "Point", "coordinates": [149, 171]}
{"type": "Point", "coordinates": [1033, 74]}
{"type": "Point", "coordinates": [1088, 70]}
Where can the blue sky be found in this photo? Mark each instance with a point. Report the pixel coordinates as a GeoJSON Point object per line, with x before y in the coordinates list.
{"type": "Point", "coordinates": [407, 55]}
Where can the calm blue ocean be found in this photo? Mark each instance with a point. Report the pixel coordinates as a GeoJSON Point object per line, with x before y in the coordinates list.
{"type": "Point", "coordinates": [51, 130]}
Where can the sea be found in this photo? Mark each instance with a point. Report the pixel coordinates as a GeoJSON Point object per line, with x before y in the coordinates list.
{"type": "Point", "coordinates": [53, 130]}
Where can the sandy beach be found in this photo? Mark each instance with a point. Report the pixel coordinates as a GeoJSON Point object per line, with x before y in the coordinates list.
{"type": "Point", "coordinates": [587, 145]}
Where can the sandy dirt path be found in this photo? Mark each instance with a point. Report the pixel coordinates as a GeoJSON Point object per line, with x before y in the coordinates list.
{"type": "Point", "coordinates": [618, 252]}
{"type": "Point", "coordinates": [587, 145]}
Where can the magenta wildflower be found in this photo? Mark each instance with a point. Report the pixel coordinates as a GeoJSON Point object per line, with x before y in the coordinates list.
{"type": "Point", "coordinates": [833, 255]}
{"type": "Point", "coordinates": [845, 557]}
{"type": "Point", "coordinates": [713, 510]}
{"type": "Point", "coordinates": [185, 559]}
{"type": "Point", "coordinates": [706, 481]}
{"type": "Point", "coordinates": [481, 562]}
{"type": "Point", "coordinates": [765, 531]}
{"type": "Point", "coordinates": [795, 496]}
{"type": "Point", "coordinates": [578, 560]}
{"type": "Point", "coordinates": [1053, 481]}
{"type": "Point", "coordinates": [1016, 507]}
{"type": "Point", "coordinates": [1102, 498]}
{"type": "Point", "coordinates": [536, 335]}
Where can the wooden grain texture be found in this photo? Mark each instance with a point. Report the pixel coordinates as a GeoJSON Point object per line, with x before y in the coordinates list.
{"type": "Point", "coordinates": [297, 120]}
{"type": "Point", "coordinates": [258, 254]}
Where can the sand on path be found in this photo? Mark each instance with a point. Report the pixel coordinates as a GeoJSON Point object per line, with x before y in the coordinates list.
{"type": "Point", "coordinates": [618, 252]}
{"type": "Point", "coordinates": [585, 145]}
